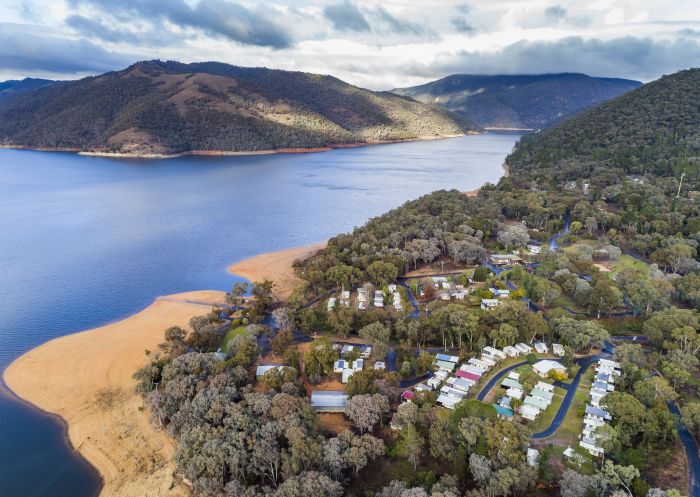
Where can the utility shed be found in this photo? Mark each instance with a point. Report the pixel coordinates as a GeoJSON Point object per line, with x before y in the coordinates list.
{"type": "Point", "coordinates": [329, 401]}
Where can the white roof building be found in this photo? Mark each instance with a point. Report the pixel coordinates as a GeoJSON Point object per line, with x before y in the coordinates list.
{"type": "Point", "coordinates": [523, 347]}
{"type": "Point", "coordinates": [558, 349]}
{"type": "Point", "coordinates": [329, 401]}
{"type": "Point", "coordinates": [529, 412]}
{"type": "Point", "coordinates": [488, 304]}
{"type": "Point", "coordinates": [511, 351]}
{"type": "Point", "coordinates": [543, 367]}
{"type": "Point", "coordinates": [541, 347]}
{"type": "Point", "coordinates": [495, 352]}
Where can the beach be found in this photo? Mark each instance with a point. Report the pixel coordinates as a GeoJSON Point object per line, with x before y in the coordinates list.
{"type": "Point", "coordinates": [276, 266]}
{"type": "Point", "coordinates": [86, 379]}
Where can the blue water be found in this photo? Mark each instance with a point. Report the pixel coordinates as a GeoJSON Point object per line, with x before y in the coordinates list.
{"type": "Point", "coordinates": [85, 241]}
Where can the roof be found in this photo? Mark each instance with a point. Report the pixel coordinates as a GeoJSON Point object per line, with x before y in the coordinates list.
{"type": "Point", "coordinates": [597, 411]}
{"type": "Point", "coordinates": [546, 365]}
{"type": "Point", "coordinates": [446, 357]}
{"type": "Point", "coordinates": [528, 409]}
{"type": "Point", "coordinates": [472, 369]}
{"type": "Point", "coordinates": [408, 395]}
{"type": "Point", "coordinates": [448, 401]}
{"type": "Point", "coordinates": [514, 375]}
{"type": "Point", "coordinates": [329, 399]}
{"type": "Point", "coordinates": [467, 375]}
{"type": "Point", "coordinates": [547, 387]}
{"type": "Point", "coordinates": [445, 365]}
{"type": "Point", "coordinates": [511, 383]}
{"type": "Point", "coordinates": [535, 402]}
{"type": "Point", "coordinates": [542, 394]}
{"type": "Point", "coordinates": [264, 368]}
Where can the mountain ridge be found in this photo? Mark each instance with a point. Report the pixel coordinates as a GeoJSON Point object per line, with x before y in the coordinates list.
{"type": "Point", "coordinates": [155, 108]}
{"type": "Point", "coordinates": [526, 101]}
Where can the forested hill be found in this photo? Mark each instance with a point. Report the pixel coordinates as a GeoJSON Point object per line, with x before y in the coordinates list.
{"type": "Point", "coordinates": [522, 101]}
{"type": "Point", "coordinates": [654, 130]}
{"type": "Point", "coordinates": [18, 87]}
{"type": "Point", "coordinates": [166, 107]}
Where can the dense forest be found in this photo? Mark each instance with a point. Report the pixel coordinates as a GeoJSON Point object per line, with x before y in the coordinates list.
{"type": "Point", "coordinates": [166, 107]}
{"type": "Point", "coordinates": [17, 87]}
{"type": "Point", "coordinates": [518, 101]}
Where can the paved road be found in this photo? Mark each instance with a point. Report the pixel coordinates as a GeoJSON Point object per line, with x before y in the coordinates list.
{"type": "Point", "coordinates": [415, 313]}
{"type": "Point", "coordinates": [487, 388]}
{"type": "Point", "coordinates": [691, 451]}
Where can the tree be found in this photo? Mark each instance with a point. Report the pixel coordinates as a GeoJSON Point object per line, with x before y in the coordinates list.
{"type": "Point", "coordinates": [579, 335]}
{"type": "Point", "coordinates": [175, 342]}
{"type": "Point", "coordinates": [481, 273]}
{"type": "Point", "coordinates": [660, 325]}
{"type": "Point", "coordinates": [366, 410]}
{"type": "Point", "coordinates": [235, 297]}
{"type": "Point", "coordinates": [262, 299]}
{"type": "Point", "coordinates": [467, 252]}
{"type": "Point", "coordinates": [654, 389]}
{"type": "Point", "coordinates": [481, 469]}
{"type": "Point", "coordinates": [341, 320]}
{"type": "Point", "coordinates": [513, 236]}
{"type": "Point", "coordinates": [340, 274]}
{"type": "Point", "coordinates": [283, 319]}
{"type": "Point", "coordinates": [604, 297]}
{"type": "Point", "coordinates": [281, 342]}
{"type": "Point", "coordinates": [378, 335]}
{"type": "Point", "coordinates": [573, 484]}
{"type": "Point", "coordinates": [319, 359]}
{"type": "Point", "coordinates": [411, 444]}
{"type": "Point", "coordinates": [691, 417]}
{"type": "Point", "coordinates": [382, 273]}
{"type": "Point", "coordinates": [309, 484]}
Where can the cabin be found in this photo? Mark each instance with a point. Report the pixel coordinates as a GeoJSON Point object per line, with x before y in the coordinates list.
{"type": "Point", "coordinates": [433, 382]}
{"type": "Point", "coordinates": [536, 402]}
{"type": "Point", "coordinates": [391, 287]}
{"type": "Point", "coordinates": [488, 359]}
{"type": "Point", "coordinates": [529, 412]}
{"type": "Point", "coordinates": [505, 259]}
{"type": "Point", "coordinates": [542, 368]}
{"type": "Point", "coordinates": [533, 457]}
{"type": "Point", "coordinates": [500, 294]}
{"type": "Point", "coordinates": [448, 401]}
{"type": "Point", "coordinates": [511, 383]}
{"type": "Point", "coordinates": [378, 298]}
{"type": "Point", "coordinates": [515, 393]}
{"type": "Point", "coordinates": [446, 357]}
{"type": "Point", "coordinates": [511, 351]}
{"type": "Point", "coordinates": [504, 412]}
{"type": "Point", "coordinates": [541, 347]}
{"type": "Point", "coordinates": [534, 249]}
{"type": "Point", "coordinates": [591, 447]}
{"type": "Point", "coordinates": [542, 395]}
{"type": "Point", "coordinates": [365, 351]}
{"type": "Point", "coordinates": [547, 387]}
{"type": "Point", "coordinates": [467, 376]}
{"type": "Point", "coordinates": [495, 352]}
{"type": "Point", "coordinates": [445, 365]}
{"type": "Point", "coordinates": [597, 413]}
{"type": "Point", "coordinates": [460, 384]}
{"type": "Point", "coordinates": [469, 368]}
{"type": "Point", "coordinates": [345, 298]}
{"type": "Point", "coordinates": [380, 365]}
{"type": "Point", "coordinates": [331, 303]}
{"type": "Point", "coordinates": [523, 348]}
{"type": "Point", "coordinates": [264, 368]}
{"type": "Point", "coordinates": [514, 375]}
{"type": "Point", "coordinates": [329, 401]}
{"type": "Point", "coordinates": [478, 363]}
{"type": "Point", "coordinates": [488, 304]}
{"type": "Point", "coordinates": [558, 349]}
{"type": "Point", "coordinates": [602, 385]}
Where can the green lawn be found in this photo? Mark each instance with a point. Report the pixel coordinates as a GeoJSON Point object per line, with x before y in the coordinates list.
{"type": "Point", "coordinates": [234, 332]}
{"type": "Point", "coordinates": [627, 261]}
{"type": "Point", "coordinates": [476, 389]}
{"type": "Point", "coordinates": [545, 418]}
{"type": "Point", "coordinates": [572, 425]}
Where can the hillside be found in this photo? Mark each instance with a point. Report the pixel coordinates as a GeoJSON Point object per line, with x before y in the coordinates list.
{"type": "Point", "coordinates": [169, 107]}
{"type": "Point", "coordinates": [18, 87]}
{"type": "Point", "coordinates": [654, 130]}
{"type": "Point", "coordinates": [523, 101]}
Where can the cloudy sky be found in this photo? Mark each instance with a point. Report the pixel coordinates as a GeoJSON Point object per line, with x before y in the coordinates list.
{"type": "Point", "coordinates": [379, 45]}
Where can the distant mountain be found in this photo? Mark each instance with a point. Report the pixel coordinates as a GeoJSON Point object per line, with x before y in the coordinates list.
{"type": "Point", "coordinates": [528, 101]}
{"type": "Point", "coordinates": [168, 107]}
{"type": "Point", "coordinates": [19, 87]}
{"type": "Point", "coordinates": [653, 130]}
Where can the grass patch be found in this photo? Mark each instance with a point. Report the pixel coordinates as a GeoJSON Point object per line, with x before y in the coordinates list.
{"type": "Point", "coordinates": [499, 367]}
{"type": "Point", "coordinates": [572, 424]}
{"type": "Point", "coordinates": [627, 261]}
{"type": "Point", "coordinates": [230, 334]}
{"type": "Point", "coordinates": [545, 419]}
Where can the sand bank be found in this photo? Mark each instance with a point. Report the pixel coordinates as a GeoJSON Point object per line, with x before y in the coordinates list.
{"type": "Point", "coordinates": [276, 266]}
{"type": "Point", "coordinates": [85, 378]}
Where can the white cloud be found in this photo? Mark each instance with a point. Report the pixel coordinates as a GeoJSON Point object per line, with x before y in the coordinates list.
{"type": "Point", "coordinates": [376, 44]}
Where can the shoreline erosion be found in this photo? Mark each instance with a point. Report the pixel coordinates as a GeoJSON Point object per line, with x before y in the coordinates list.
{"type": "Point", "coordinates": [230, 153]}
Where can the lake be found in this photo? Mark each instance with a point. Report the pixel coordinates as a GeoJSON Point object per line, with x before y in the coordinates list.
{"type": "Point", "coordinates": [85, 241]}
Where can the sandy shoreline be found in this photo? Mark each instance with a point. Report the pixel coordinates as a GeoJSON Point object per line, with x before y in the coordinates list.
{"type": "Point", "coordinates": [227, 153]}
{"type": "Point", "coordinates": [276, 266]}
{"type": "Point", "coordinates": [85, 378]}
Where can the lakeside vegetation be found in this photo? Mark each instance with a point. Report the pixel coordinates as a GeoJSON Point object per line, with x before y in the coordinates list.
{"type": "Point", "coordinates": [239, 439]}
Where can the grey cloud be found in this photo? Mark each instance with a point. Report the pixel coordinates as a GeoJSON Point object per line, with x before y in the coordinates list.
{"type": "Point", "coordinates": [638, 58]}
{"type": "Point", "coordinates": [97, 29]}
{"type": "Point", "coordinates": [346, 16]}
{"type": "Point", "coordinates": [26, 50]}
{"type": "Point", "coordinates": [398, 25]}
{"type": "Point", "coordinates": [214, 17]}
{"type": "Point", "coordinates": [460, 24]}
{"type": "Point", "coordinates": [463, 8]}
{"type": "Point", "coordinates": [555, 13]}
